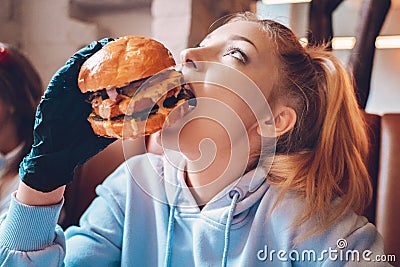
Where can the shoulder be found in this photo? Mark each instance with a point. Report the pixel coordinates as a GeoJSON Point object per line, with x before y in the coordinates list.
{"type": "Point", "coordinates": [134, 176]}
{"type": "Point", "coordinates": [351, 229]}
{"type": "Point", "coordinates": [138, 166]}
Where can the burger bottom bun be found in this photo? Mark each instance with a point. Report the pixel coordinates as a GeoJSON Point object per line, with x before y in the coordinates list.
{"type": "Point", "coordinates": [126, 128]}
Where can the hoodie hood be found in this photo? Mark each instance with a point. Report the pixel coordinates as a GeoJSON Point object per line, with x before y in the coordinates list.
{"type": "Point", "coordinates": [250, 188]}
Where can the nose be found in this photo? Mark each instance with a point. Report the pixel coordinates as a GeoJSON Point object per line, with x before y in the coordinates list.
{"type": "Point", "coordinates": [193, 55]}
{"type": "Point", "coordinates": [190, 55]}
{"type": "Point", "coordinates": [186, 55]}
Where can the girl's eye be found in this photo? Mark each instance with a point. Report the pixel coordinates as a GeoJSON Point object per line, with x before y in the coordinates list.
{"type": "Point", "coordinates": [237, 53]}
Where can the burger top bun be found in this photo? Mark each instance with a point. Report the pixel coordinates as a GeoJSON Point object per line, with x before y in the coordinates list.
{"type": "Point", "coordinates": [122, 61]}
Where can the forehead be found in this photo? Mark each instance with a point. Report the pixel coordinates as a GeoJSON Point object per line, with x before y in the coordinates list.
{"type": "Point", "coordinates": [250, 29]}
{"type": "Point", "coordinates": [263, 63]}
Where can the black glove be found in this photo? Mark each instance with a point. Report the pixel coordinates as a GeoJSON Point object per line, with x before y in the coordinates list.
{"type": "Point", "coordinates": [63, 138]}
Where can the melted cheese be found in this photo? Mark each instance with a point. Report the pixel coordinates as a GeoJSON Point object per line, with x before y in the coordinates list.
{"type": "Point", "coordinates": [160, 84]}
{"type": "Point", "coordinates": [104, 108]}
{"type": "Point", "coordinates": [109, 129]}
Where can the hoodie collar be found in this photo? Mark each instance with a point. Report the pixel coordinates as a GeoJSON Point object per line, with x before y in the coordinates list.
{"type": "Point", "coordinates": [251, 187]}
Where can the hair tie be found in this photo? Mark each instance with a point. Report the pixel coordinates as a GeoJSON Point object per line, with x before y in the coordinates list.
{"type": "Point", "coordinates": [311, 61]}
{"type": "Point", "coordinates": [4, 55]}
{"type": "Point", "coordinates": [308, 56]}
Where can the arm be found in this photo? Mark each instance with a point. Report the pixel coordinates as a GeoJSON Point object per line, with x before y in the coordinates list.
{"type": "Point", "coordinates": [97, 241]}
{"type": "Point", "coordinates": [32, 197]}
{"type": "Point", "coordinates": [29, 235]}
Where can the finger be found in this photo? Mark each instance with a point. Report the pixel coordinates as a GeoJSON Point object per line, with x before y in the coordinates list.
{"type": "Point", "coordinates": [105, 41]}
{"type": "Point", "coordinates": [68, 74]}
{"type": "Point", "coordinates": [90, 147]}
{"type": "Point", "coordinates": [79, 57]}
{"type": "Point", "coordinates": [89, 50]}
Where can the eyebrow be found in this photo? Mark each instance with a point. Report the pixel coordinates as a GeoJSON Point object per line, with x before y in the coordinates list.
{"type": "Point", "coordinates": [242, 38]}
{"type": "Point", "coordinates": [235, 37]}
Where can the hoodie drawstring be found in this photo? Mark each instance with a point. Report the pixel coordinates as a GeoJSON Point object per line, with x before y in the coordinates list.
{"type": "Point", "coordinates": [234, 195]}
{"type": "Point", "coordinates": [170, 230]}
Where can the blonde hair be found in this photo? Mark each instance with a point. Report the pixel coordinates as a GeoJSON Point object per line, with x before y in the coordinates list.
{"type": "Point", "coordinates": [321, 158]}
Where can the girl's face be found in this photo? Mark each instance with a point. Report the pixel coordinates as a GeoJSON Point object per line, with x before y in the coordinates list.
{"type": "Point", "coordinates": [245, 47]}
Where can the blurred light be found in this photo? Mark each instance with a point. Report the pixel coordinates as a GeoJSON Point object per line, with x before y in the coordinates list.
{"type": "Point", "coordinates": [347, 43]}
{"type": "Point", "coordinates": [274, 2]}
{"type": "Point", "coordinates": [383, 42]}
{"type": "Point", "coordinates": [338, 43]}
{"type": "Point", "coordinates": [343, 43]}
{"type": "Point", "coordinates": [303, 41]}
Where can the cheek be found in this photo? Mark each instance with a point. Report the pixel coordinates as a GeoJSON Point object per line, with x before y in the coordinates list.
{"type": "Point", "coordinates": [264, 76]}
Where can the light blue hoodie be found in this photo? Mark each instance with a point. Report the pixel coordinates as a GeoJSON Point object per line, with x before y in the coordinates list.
{"type": "Point", "coordinates": [131, 223]}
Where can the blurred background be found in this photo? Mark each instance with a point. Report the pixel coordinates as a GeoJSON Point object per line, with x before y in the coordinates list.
{"type": "Point", "coordinates": [49, 31]}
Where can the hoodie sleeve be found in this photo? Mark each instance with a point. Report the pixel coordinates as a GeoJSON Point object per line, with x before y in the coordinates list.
{"type": "Point", "coordinates": [97, 240]}
{"type": "Point", "coordinates": [30, 236]}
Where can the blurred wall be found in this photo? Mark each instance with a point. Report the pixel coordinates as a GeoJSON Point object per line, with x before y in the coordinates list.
{"type": "Point", "coordinates": [44, 31]}
{"type": "Point", "coordinates": [49, 33]}
{"type": "Point", "coordinates": [171, 23]}
{"type": "Point", "coordinates": [206, 16]}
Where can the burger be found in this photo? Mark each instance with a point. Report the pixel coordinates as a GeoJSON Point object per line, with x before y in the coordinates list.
{"type": "Point", "coordinates": [133, 87]}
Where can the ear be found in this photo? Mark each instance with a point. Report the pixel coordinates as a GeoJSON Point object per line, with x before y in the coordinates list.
{"type": "Point", "coordinates": [284, 121]}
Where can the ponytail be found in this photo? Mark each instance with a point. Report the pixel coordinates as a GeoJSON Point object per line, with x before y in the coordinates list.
{"type": "Point", "coordinates": [330, 169]}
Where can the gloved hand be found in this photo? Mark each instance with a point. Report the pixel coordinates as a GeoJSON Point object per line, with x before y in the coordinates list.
{"type": "Point", "coordinates": [63, 138]}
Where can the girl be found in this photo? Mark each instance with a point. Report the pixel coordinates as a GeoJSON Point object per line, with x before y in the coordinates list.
{"type": "Point", "coordinates": [20, 91]}
{"type": "Point", "coordinates": [212, 200]}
